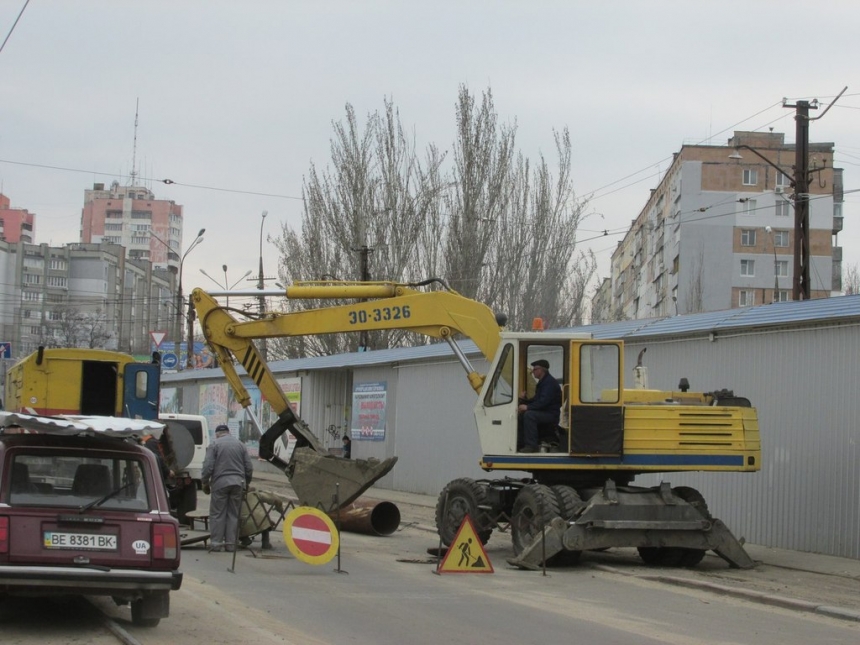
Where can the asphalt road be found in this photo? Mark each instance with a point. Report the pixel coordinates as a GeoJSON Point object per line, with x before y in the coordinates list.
{"type": "Point", "coordinates": [385, 591]}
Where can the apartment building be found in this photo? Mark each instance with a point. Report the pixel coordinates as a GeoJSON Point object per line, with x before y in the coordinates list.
{"type": "Point", "coordinates": [718, 232]}
{"type": "Point", "coordinates": [131, 216]}
{"type": "Point", "coordinates": [82, 295]}
{"type": "Point", "coordinates": [16, 224]}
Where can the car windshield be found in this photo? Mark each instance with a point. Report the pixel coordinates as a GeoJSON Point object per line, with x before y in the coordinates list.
{"type": "Point", "coordinates": [77, 481]}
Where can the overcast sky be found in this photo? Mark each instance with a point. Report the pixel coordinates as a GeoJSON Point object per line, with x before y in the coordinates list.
{"type": "Point", "coordinates": [237, 98]}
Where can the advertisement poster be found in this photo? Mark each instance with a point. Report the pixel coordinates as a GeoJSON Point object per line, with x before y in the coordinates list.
{"type": "Point", "coordinates": [368, 411]}
{"type": "Point", "coordinates": [169, 400]}
{"type": "Point", "coordinates": [173, 360]}
{"type": "Point", "coordinates": [213, 404]}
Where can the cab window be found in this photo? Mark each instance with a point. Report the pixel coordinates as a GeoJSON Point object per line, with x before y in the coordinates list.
{"type": "Point", "coordinates": [598, 373]}
{"type": "Point", "coordinates": [501, 390]}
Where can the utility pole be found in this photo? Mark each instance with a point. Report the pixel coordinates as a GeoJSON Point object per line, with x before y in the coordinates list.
{"type": "Point", "coordinates": [801, 289]}
{"type": "Point", "coordinates": [260, 284]}
{"type": "Point", "coordinates": [364, 252]}
{"type": "Point", "coordinates": [800, 285]}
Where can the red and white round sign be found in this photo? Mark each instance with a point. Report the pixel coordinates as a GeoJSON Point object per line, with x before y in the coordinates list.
{"type": "Point", "coordinates": [310, 535]}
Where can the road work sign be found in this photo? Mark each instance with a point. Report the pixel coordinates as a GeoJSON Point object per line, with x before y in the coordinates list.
{"type": "Point", "coordinates": [310, 535]}
{"type": "Point", "coordinates": [466, 553]}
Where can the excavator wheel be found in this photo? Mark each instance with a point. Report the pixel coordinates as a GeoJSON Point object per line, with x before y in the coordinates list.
{"type": "Point", "coordinates": [678, 556]}
{"type": "Point", "coordinates": [459, 498]}
{"type": "Point", "coordinates": [569, 504]}
{"type": "Point", "coordinates": [535, 506]}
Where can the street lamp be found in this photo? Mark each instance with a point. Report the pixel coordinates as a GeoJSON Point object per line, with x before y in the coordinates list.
{"type": "Point", "coordinates": [769, 230]}
{"type": "Point", "coordinates": [189, 349]}
{"type": "Point", "coordinates": [227, 285]}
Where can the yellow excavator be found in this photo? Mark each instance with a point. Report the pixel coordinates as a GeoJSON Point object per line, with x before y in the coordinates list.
{"type": "Point", "coordinates": [579, 495]}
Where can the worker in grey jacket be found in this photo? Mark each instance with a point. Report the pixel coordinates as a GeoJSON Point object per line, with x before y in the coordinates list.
{"type": "Point", "coordinates": [227, 471]}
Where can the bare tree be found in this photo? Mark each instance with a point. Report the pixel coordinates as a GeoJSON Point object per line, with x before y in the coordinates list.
{"type": "Point", "coordinates": [70, 327]}
{"type": "Point", "coordinates": [363, 217]}
{"type": "Point", "coordinates": [851, 280]}
{"type": "Point", "coordinates": [492, 227]}
{"type": "Point", "coordinates": [67, 327]}
{"type": "Point", "coordinates": [94, 329]}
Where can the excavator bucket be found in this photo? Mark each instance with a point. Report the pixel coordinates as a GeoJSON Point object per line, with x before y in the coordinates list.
{"type": "Point", "coordinates": [326, 482]}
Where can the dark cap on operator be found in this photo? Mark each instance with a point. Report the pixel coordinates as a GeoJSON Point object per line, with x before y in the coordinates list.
{"type": "Point", "coordinates": [222, 428]}
{"type": "Point", "coordinates": [541, 363]}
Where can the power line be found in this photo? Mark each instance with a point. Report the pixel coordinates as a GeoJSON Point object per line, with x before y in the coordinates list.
{"type": "Point", "coordinates": [15, 24]}
{"type": "Point", "coordinates": [167, 182]}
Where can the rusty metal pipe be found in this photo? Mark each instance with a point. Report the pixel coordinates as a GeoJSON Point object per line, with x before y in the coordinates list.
{"type": "Point", "coordinates": [371, 517]}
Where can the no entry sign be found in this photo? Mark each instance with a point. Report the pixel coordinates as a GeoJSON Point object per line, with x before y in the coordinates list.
{"type": "Point", "coordinates": [310, 535]}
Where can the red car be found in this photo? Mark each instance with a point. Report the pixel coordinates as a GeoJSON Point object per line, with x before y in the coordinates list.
{"type": "Point", "coordinates": [85, 513]}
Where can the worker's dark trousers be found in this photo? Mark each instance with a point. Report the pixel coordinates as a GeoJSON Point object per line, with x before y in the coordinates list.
{"type": "Point", "coordinates": [531, 420]}
{"type": "Point", "coordinates": [224, 514]}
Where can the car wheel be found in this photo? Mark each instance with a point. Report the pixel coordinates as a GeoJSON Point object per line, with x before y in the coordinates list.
{"type": "Point", "coordinates": [148, 611]}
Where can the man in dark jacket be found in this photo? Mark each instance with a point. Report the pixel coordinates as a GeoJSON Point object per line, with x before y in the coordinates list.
{"type": "Point", "coordinates": [542, 409]}
{"type": "Point", "coordinates": [227, 471]}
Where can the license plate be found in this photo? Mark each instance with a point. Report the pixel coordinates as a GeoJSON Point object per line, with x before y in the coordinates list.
{"type": "Point", "coordinates": [90, 541]}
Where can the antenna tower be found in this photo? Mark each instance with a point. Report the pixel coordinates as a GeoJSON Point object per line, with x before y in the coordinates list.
{"type": "Point", "coordinates": [133, 176]}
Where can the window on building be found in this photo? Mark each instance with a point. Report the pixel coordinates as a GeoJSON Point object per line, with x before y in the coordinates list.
{"type": "Point", "coordinates": [783, 208]}
{"type": "Point", "coordinates": [750, 177]}
{"type": "Point", "coordinates": [31, 296]}
{"type": "Point", "coordinates": [58, 264]}
{"type": "Point", "coordinates": [35, 330]}
{"type": "Point", "coordinates": [748, 237]}
{"type": "Point", "coordinates": [781, 267]}
{"type": "Point", "coordinates": [113, 214]}
{"type": "Point", "coordinates": [746, 298]}
{"type": "Point", "coordinates": [782, 179]}
{"type": "Point", "coordinates": [32, 278]}
{"type": "Point", "coordinates": [780, 239]}
{"type": "Point", "coordinates": [781, 296]}
{"type": "Point", "coordinates": [57, 281]}
{"type": "Point", "coordinates": [25, 313]}
{"type": "Point", "coordinates": [749, 207]}
{"type": "Point", "coordinates": [748, 268]}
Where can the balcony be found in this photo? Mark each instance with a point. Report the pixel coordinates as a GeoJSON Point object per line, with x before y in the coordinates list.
{"type": "Point", "coordinates": [837, 224]}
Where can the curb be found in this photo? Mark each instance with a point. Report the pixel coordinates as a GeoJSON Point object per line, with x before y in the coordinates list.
{"type": "Point", "coordinates": [746, 594]}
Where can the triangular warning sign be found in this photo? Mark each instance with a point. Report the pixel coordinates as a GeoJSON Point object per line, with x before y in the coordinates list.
{"type": "Point", "coordinates": [466, 553]}
{"type": "Point", "coordinates": [157, 337]}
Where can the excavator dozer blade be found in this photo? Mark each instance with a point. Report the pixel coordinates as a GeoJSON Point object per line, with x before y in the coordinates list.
{"type": "Point", "coordinates": [325, 481]}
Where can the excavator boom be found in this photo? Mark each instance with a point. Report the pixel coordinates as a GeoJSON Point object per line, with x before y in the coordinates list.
{"type": "Point", "coordinates": [315, 476]}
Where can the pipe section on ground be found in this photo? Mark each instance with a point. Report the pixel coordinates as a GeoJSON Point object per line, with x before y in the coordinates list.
{"type": "Point", "coordinates": [371, 517]}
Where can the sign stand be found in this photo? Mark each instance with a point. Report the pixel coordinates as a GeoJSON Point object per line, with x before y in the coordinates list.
{"type": "Point", "coordinates": [337, 518]}
{"type": "Point", "coordinates": [439, 554]}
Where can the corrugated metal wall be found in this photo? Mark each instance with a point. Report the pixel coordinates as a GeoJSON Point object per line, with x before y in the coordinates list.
{"type": "Point", "coordinates": [437, 439]}
{"type": "Point", "coordinates": [803, 382]}
{"type": "Point", "coordinates": [325, 399]}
